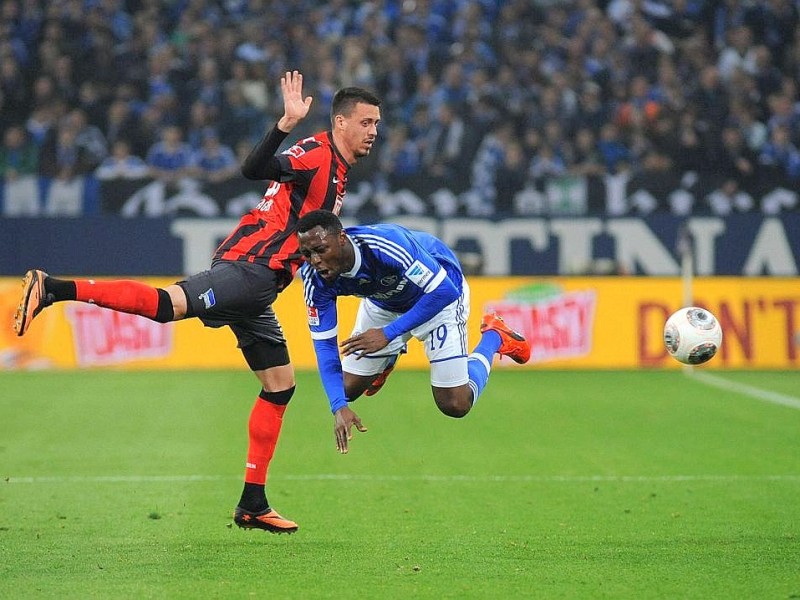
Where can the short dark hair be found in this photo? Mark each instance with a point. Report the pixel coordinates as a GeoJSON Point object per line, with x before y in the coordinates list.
{"type": "Point", "coordinates": [319, 218]}
{"type": "Point", "coordinates": [345, 100]}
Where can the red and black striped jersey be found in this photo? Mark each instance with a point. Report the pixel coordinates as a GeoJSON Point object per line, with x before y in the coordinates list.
{"type": "Point", "coordinates": [313, 176]}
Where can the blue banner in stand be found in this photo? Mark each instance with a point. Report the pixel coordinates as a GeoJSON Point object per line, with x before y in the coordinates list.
{"type": "Point", "coordinates": [750, 244]}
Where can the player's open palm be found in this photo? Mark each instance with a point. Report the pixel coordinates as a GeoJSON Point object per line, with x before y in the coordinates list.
{"type": "Point", "coordinates": [295, 107]}
{"type": "Point", "coordinates": [343, 421]}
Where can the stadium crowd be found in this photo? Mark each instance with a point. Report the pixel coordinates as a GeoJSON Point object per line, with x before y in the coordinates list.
{"type": "Point", "coordinates": [484, 97]}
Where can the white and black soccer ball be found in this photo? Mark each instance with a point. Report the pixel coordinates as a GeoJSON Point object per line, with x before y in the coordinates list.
{"type": "Point", "coordinates": [692, 335]}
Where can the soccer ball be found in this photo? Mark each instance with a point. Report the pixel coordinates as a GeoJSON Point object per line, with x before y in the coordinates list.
{"type": "Point", "coordinates": [692, 335]}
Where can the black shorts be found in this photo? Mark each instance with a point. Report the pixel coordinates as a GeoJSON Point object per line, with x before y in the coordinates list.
{"type": "Point", "coordinates": [237, 294]}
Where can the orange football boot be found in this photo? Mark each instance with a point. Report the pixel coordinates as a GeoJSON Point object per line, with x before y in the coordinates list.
{"type": "Point", "coordinates": [513, 344]}
{"type": "Point", "coordinates": [268, 520]}
{"type": "Point", "coordinates": [32, 302]}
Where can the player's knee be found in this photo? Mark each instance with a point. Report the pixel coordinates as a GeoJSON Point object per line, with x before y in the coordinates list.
{"type": "Point", "coordinates": [165, 312]}
{"type": "Point", "coordinates": [281, 398]}
{"type": "Point", "coordinates": [355, 385]}
{"type": "Point", "coordinates": [454, 406]}
{"type": "Point", "coordinates": [175, 303]}
{"type": "Point", "coordinates": [454, 402]}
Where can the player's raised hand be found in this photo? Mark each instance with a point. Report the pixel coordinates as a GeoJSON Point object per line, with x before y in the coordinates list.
{"type": "Point", "coordinates": [295, 107]}
{"type": "Point", "coordinates": [343, 421]}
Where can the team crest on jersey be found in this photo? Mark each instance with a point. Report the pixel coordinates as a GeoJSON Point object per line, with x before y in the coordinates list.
{"type": "Point", "coordinates": [419, 274]}
{"type": "Point", "coordinates": [313, 315]}
{"type": "Point", "coordinates": [208, 298]}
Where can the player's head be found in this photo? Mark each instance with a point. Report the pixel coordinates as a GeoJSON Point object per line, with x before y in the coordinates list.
{"type": "Point", "coordinates": [355, 114]}
{"type": "Point", "coordinates": [324, 244]}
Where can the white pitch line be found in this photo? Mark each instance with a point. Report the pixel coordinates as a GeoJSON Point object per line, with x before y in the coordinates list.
{"type": "Point", "coordinates": [406, 478]}
{"type": "Point", "coordinates": [747, 390]}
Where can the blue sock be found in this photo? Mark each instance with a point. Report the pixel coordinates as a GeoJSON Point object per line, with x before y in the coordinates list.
{"type": "Point", "coordinates": [479, 364]}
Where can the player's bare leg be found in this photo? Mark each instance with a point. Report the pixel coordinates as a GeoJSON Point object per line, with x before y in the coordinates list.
{"type": "Point", "coordinates": [455, 402]}
{"type": "Point", "coordinates": [496, 338]}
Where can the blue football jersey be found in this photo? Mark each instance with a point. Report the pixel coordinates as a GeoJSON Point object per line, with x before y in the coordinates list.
{"type": "Point", "coordinates": [394, 268]}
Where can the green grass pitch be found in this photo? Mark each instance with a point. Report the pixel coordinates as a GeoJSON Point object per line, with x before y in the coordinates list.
{"type": "Point", "coordinates": [558, 485]}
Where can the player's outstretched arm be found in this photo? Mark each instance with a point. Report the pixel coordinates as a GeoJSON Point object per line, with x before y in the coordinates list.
{"type": "Point", "coordinates": [295, 106]}
{"type": "Point", "coordinates": [344, 420]}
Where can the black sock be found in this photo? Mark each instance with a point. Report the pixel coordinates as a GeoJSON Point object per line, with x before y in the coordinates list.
{"type": "Point", "coordinates": [253, 498]}
{"type": "Point", "coordinates": [60, 289]}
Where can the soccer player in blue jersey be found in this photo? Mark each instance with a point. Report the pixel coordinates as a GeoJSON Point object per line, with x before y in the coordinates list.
{"type": "Point", "coordinates": [412, 286]}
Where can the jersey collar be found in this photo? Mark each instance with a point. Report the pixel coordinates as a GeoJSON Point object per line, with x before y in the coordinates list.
{"type": "Point", "coordinates": [336, 150]}
{"type": "Point", "coordinates": [357, 254]}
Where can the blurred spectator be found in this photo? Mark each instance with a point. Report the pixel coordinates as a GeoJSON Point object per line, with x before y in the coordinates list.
{"type": "Point", "coordinates": [400, 162]}
{"type": "Point", "coordinates": [19, 168]}
{"type": "Point", "coordinates": [743, 115]}
{"type": "Point", "coordinates": [400, 158]}
{"type": "Point", "coordinates": [251, 80]}
{"type": "Point", "coordinates": [12, 86]}
{"type": "Point", "coordinates": [214, 162]}
{"type": "Point", "coordinates": [356, 68]}
{"type": "Point", "coordinates": [547, 163]}
{"type": "Point", "coordinates": [739, 53]}
{"type": "Point", "coordinates": [641, 107]}
{"type": "Point", "coordinates": [480, 200]}
{"type": "Point", "coordinates": [19, 156]}
{"type": "Point", "coordinates": [733, 160]}
{"type": "Point", "coordinates": [395, 82]}
{"type": "Point", "coordinates": [591, 111]}
{"type": "Point", "coordinates": [121, 164]}
{"type": "Point", "coordinates": [780, 156]}
{"type": "Point", "coordinates": [689, 152]}
{"type": "Point", "coordinates": [170, 159]}
{"type": "Point", "coordinates": [784, 113]}
{"type": "Point", "coordinates": [240, 120]}
{"type": "Point", "coordinates": [443, 156]}
{"type": "Point", "coordinates": [88, 137]}
{"type": "Point", "coordinates": [767, 76]}
{"type": "Point", "coordinates": [208, 86]}
{"type": "Point", "coordinates": [586, 158]}
{"type": "Point", "coordinates": [201, 122]}
{"type": "Point", "coordinates": [616, 155]}
{"type": "Point", "coordinates": [710, 101]}
{"type": "Point", "coordinates": [510, 180]}
{"type": "Point", "coordinates": [643, 46]}
{"type": "Point", "coordinates": [121, 123]}
{"type": "Point", "coordinates": [62, 156]}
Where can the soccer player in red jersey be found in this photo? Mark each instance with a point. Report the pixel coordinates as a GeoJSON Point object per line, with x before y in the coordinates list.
{"type": "Point", "coordinates": [249, 269]}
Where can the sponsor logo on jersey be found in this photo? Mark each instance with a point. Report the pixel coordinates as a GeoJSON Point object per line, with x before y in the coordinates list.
{"type": "Point", "coordinates": [313, 315]}
{"type": "Point", "coordinates": [419, 274]}
{"type": "Point", "coordinates": [295, 151]}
